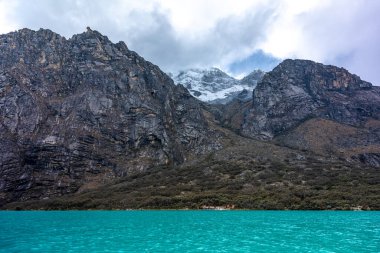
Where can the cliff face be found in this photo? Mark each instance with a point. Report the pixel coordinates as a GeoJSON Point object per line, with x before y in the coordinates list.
{"type": "Point", "coordinates": [77, 112]}
{"type": "Point", "coordinates": [298, 90]}
{"type": "Point", "coordinates": [311, 106]}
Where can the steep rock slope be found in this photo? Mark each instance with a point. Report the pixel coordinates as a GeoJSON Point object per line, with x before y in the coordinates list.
{"type": "Point", "coordinates": [78, 112]}
{"type": "Point", "coordinates": [299, 89]}
{"type": "Point", "coordinates": [215, 86]}
{"type": "Point", "coordinates": [301, 100]}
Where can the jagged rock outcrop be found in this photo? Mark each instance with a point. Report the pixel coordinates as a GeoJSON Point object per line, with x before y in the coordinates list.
{"type": "Point", "coordinates": [77, 112]}
{"type": "Point", "coordinates": [298, 90]}
{"type": "Point", "coordinates": [253, 78]}
{"type": "Point", "coordinates": [372, 159]}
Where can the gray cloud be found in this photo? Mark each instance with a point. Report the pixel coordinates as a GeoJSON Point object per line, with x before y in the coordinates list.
{"type": "Point", "coordinates": [65, 17]}
{"type": "Point", "coordinates": [346, 34]}
{"type": "Point", "coordinates": [339, 33]}
{"type": "Point", "coordinates": [224, 43]}
{"type": "Point", "coordinates": [149, 32]}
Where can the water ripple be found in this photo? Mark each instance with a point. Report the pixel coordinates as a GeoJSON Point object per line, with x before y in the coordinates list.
{"type": "Point", "coordinates": [189, 231]}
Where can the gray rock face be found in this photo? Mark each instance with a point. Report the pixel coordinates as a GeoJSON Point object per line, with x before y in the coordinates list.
{"type": "Point", "coordinates": [297, 90]}
{"type": "Point", "coordinates": [77, 112]}
{"type": "Point", "coordinates": [368, 158]}
{"type": "Point", "coordinates": [253, 78]}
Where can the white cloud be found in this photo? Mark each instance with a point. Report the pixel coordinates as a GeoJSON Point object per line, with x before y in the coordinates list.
{"type": "Point", "coordinates": [7, 25]}
{"type": "Point", "coordinates": [178, 34]}
{"type": "Point", "coordinates": [197, 16]}
{"type": "Point", "coordinates": [340, 32]}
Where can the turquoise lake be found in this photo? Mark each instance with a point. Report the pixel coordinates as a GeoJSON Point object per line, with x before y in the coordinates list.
{"type": "Point", "coordinates": [189, 231]}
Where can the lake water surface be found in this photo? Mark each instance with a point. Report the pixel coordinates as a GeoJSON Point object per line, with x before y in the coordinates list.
{"type": "Point", "coordinates": [189, 231]}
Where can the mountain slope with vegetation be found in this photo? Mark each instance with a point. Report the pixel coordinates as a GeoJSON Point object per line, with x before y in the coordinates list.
{"type": "Point", "coordinates": [89, 124]}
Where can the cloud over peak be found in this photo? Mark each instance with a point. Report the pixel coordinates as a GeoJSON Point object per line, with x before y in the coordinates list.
{"type": "Point", "coordinates": [231, 35]}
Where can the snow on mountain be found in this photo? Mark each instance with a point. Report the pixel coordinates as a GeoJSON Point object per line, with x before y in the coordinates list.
{"type": "Point", "coordinates": [215, 86]}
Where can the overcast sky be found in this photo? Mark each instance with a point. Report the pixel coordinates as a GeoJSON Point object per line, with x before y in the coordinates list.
{"type": "Point", "coordinates": [234, 35]}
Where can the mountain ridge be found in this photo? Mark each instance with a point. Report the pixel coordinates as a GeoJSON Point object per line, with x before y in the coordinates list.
{"type": "Point", "coordinates": [298, 92]}
{"type": "Point", "coordinates": [86, 123]}
{"type": "Point", "coordinates": [84, 110]}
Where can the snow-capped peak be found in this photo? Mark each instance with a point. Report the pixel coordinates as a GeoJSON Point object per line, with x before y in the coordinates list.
{"type": "Point", "coordinates": [213, 85]}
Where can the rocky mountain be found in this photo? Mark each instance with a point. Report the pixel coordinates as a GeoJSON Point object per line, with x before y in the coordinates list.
{"type": "Point", "coordinates": [87, 123]}
{"type": "Point", "coordinates": [253, 78]}
{"type": "Point", "coordinates": [78, 112]}
{"type": "Point", "coordinates": [215, 86]}
{"type": "Point", "coordinates": [309, 105]}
